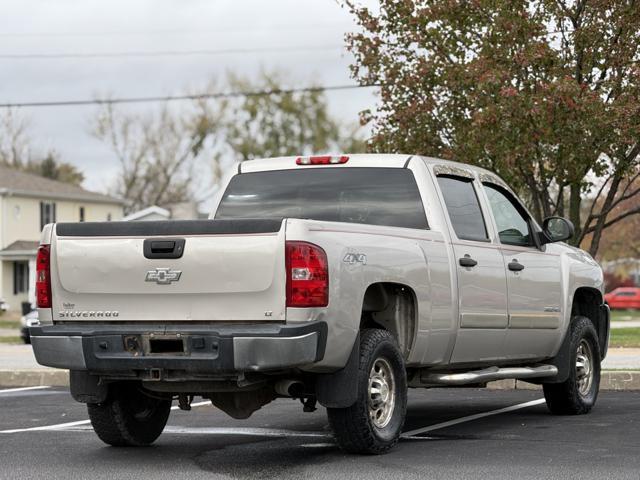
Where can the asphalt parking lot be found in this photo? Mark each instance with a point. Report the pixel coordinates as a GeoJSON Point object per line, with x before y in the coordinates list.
{"type": "Point", "coordinates": [448, 434]}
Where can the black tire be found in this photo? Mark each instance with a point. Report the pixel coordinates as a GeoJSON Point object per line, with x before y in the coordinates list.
{"type": "Point", "coordinates": [573, 397]}
{"type": "Point", "coordinates": [354, 429]}
{"type": "Point", "coordinates": [129, 418]}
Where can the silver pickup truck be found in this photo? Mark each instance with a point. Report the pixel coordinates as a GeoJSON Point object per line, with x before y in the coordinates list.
{"type": "Point", "coordinates": [338, 280]}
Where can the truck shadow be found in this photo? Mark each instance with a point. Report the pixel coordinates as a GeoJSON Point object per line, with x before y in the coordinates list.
{"type": "Point", "coordinates": [295, 456]}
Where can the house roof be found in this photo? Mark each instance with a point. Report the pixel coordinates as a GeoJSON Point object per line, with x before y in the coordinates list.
{"type": "Point", "coordinates": [15, 182]}
{"type": "Point", "coordinates": [20, 247]}
{"type": "Point", "coordinates": [153, 209]}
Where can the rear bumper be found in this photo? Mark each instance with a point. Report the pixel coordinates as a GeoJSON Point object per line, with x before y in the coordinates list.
{"type": "Point", "coordinates": [198, 350]}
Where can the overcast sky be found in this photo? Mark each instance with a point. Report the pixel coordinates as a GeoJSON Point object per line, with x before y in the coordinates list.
{"type": "Point", "coordinates": [33, 27]}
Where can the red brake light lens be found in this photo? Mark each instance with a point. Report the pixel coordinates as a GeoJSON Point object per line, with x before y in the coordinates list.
{"type": "Point", "coordinates": [322, 160]}
{"type": "Point", "coordinates": [43, 277]}
{"type": "Point", "coordinates": [307, 275]}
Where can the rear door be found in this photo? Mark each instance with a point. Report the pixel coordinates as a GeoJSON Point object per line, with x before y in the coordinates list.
{"type": "Point", "coordinates": [482, 288]}
{"type": "Point", "coordinates": [227, 271]}
{"type": "Point", "coordinates": [533, 279]}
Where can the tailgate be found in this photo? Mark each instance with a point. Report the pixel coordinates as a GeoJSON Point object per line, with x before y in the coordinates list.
{"type": "Point", "coordinates": [228, 270]}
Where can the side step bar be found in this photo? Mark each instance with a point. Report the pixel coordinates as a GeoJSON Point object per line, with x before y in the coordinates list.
{"type": "Point", "coordinates": [487, 375]}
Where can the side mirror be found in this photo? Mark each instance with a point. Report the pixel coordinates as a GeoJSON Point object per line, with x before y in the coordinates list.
{"type": "Point", "coordinates": [557, 229]}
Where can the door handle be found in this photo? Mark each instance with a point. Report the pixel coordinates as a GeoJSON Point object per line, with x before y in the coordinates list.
{"type": "Point", "coordinates": [515, 266]}
{"type": "Point", "coordinates": [467, 261]}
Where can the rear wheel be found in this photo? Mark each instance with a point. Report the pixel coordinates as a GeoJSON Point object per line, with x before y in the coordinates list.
{"type": "Point", "coordinates": [373, 424]}
{"type": "Point", "coordinates": [578, 394]}
{"type": "Point", "coordinates": [129, 417]}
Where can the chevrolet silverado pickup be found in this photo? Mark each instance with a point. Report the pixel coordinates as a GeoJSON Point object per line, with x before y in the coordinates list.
{"type": "Point", "coordinates": [338, 280]}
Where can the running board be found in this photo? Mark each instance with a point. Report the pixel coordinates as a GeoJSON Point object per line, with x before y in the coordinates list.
{"type": "Point", "coordinates": [488, 375]}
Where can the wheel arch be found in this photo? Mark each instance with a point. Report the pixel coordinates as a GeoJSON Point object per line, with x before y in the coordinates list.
{"type": "Point", "coordinates": [384, 306]}
{"type": "Point", "coordinates": [589, 302]}
{"type": "Point", "coordinates": [393, 307]}
{"type": "Point", "coordinates": [586, 302]}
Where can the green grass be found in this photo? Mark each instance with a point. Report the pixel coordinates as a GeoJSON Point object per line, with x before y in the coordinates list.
{"type": "Point", "coordinates": [624, 315]}
{"type": "Point", "coordinates": [625, 337]}
{"type": "Point", "coordinates": [9, 323]}
{"type": "Point", "coordinates": [9, 320]}
{"type": "Point", "coordinates": [11, 340]}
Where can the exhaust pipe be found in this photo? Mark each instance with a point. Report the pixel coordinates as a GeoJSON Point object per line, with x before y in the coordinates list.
{"type": "Point", "coordinates": [289, 388]}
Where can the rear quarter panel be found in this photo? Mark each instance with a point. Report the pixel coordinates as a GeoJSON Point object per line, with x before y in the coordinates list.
{"type": "Point", "coordinates": [415, 258]}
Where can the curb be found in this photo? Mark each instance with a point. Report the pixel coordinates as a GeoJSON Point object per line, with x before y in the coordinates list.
{"type": "Point", "coordinates": [34, 378]}
{"type": "Point", "coordinates": [610, 380]}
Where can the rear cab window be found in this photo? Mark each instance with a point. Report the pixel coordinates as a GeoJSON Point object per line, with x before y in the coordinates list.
{"type": "Point", "coordinates": [373, 196]}
{"type": "Point", "coordinates": [463, 207]}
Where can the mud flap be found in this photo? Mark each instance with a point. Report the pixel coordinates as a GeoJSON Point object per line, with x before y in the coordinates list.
{"type": "Point", "coordinates": [339, 389]}
{"type": "Point", "coordinates": [563, 359]}
{"type": "Point", "coordinates": [86, 388]}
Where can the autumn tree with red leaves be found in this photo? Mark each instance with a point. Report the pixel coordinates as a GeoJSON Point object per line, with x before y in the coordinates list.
{"type": "Point", "coordinates": [545, 93]}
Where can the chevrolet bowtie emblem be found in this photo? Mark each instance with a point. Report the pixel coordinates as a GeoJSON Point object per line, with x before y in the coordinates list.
{"type": "Point", "coordinates": [163, 276]}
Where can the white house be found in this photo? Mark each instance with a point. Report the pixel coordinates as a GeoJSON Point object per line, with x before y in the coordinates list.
{"type": "Point", "coordinates": [27, 203]}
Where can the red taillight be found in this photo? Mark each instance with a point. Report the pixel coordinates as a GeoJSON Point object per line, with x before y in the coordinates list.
{"type": "Point", "coordinates": [322, 160]}
{"type": "Point", "coordinates": [43, 277]}
{"type": "Point", "coordinates": [307, 275]}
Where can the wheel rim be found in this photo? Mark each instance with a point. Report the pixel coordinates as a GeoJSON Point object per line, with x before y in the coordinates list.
{"type": "Point", "coordinates": [584, 368]}
{"type": "Point", "coordinates": [382, 393]}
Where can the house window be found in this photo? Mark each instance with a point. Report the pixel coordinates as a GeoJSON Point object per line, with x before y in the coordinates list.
{"type": "Point", "coordinates": [82, 214]}
{"type": "Point", "coordinates": [47, 213]}
{"type": "Point", "coordinates": [20, 277]}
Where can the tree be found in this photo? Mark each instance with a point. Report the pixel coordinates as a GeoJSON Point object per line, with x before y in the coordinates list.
{"type": "Point", "coordinates": [159, 154]}
{"type": "Point", "coordinates": [163, 155]}
{"type": "Point", "coordinates": [51, 167]}
{"type": "Point", "coordinates": [544, 92]}
{"type": "Point", "coordinates": [621, 239]}
{"type": "Point", "coordinates": [16, 151]}
{"type": "Point", "coordinates": [15, 148]}
{"type": "Point", "coordinates": [281, 124]}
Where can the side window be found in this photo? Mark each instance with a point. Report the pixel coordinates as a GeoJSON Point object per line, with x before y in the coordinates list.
{"type": "Point", "coordinates": [463, 207]}
{"type": "Point", "coordinates": [513, 227]}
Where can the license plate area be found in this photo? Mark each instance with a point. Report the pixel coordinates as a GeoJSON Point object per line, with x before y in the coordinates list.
{"type": "Point", "coordinates": [155, 344]}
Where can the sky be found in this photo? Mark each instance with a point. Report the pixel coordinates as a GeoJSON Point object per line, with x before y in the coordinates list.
{"type": "Point", "coordinates": [29, 28]}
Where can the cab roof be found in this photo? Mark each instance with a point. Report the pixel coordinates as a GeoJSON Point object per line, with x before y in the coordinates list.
{"type": "Point", "coordinates": [354, 160]}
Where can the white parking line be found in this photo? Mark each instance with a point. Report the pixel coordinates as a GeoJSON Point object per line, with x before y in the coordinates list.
{"type": "Point", "coordinates": [471, 418]}
{"type": "Point", "coordinates": [60, 426]}
{"type": "Point", "coordinates": [22, 389]}
{"type": "Point", "coordinates": [280, 433]}
{"type": "Point", "coordinates": [63, 426]}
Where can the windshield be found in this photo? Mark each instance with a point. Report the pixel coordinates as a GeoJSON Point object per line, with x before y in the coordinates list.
{"type": "Point", "coordinates": [375, 196]}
